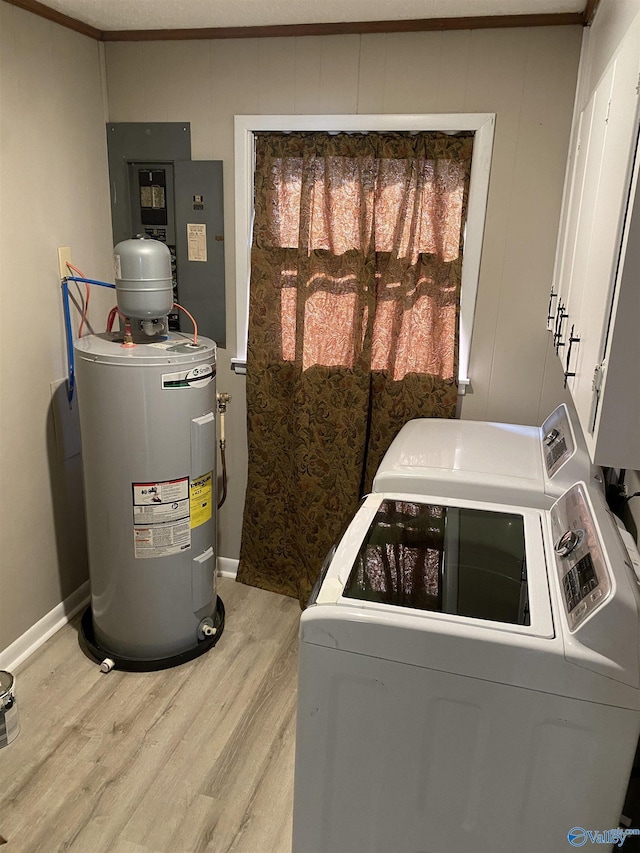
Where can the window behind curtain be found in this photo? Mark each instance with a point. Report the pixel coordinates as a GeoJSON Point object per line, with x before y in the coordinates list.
{"type": "Point", "coordinates": [398, 208]}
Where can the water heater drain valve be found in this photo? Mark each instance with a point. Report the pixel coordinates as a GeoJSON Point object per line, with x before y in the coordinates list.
{"type": "Point", "coordinates": [206, 629]}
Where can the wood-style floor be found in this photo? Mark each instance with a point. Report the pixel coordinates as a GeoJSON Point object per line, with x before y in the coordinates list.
{"type": "Point", "coordinates": [199, 757]}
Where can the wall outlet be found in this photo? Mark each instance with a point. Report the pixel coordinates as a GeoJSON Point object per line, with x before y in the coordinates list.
{"type": "Point", "coordinates": [64, 255]}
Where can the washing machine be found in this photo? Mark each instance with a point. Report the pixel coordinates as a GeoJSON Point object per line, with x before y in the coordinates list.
{"type": "Point", "coordinates": [469, 679]}
{"type": "Point", "coordinates": [489, 461]}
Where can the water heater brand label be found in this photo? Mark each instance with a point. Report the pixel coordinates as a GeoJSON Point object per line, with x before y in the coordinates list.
{"type": "Point", "coordinates": [161, 518]}
{"type": "Point", "coordinates": [197, 377]}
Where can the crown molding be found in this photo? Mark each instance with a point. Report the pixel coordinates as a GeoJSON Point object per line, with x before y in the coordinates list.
{"type": "Point", "coordinates": [349, 27]}
{"type": "Point", "coordinates": [57, 17]}
{"type": "Point", "coordinates": [292, 30]}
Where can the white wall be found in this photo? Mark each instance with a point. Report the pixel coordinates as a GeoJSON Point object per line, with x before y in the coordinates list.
{"type": "Point", "coordinates": [53, 192]}
{"type": "Point", "coordinates": [526, 76]}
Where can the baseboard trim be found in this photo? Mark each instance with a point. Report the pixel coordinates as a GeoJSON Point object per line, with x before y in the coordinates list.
{"type": "Point", "coordinates": [227, 568]}
{"type": "Point", "coordinates": [34, 637]}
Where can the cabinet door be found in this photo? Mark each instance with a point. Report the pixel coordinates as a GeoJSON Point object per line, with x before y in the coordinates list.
{"type": "Point", "coordinates": [600, 249]}
{"type": "Point", "coordinates": [591, 169]}
{"type": "Point", "coordinates": [600, 197]}
{"type": "Point", "coordinates": [618, 412]}
{"type": "Point", "coordinates": [571, 215]}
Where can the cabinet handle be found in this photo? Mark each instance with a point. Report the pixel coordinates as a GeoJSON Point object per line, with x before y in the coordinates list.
{"type": "Point", "coordinates": [550, 315]}
{"type": "Point", "coordinates": [561, 316]}
{"type": "Point", "coordinates": [572, 340]}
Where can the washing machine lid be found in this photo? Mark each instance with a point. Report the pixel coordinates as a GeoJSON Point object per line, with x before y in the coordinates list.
{"type": "Point", "coordinates": [470, 562]}
{"type": "Point", "coordinates": [485, 460]}
{"type": "Point", "coordinates": [477, 459]}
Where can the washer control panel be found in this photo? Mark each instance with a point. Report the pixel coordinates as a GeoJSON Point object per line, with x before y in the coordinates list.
{"type": "Point", "coordinates": [557, 440]}
{"type": "Point", "coordinates": [585, 580]}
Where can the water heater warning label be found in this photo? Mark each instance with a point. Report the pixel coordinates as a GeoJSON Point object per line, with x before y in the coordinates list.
{"type": "Point", "coordinates": [201, 499]}
{"type": "Point", "coordinates": [161, 518]}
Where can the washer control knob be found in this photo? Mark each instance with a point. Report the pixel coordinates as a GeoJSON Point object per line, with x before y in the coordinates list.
{"type": "Point", "coordinates": [551, 436]}
{"type": "Point", "coordinates": [566, 543]}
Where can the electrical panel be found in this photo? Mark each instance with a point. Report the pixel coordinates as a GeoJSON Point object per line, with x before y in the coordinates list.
{"type": "Point", "coordinates": [159, 191]}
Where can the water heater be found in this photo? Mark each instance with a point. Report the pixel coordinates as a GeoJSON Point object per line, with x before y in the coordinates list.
{"type": "Point", "coordinates": [147, 420]}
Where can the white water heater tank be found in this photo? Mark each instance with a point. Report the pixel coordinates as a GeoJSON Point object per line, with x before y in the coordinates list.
{"type": "Point", "coordinates": [147, 417]}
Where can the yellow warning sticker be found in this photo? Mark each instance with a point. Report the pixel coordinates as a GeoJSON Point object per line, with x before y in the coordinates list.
{"type": "Point", "coordinates": [201, 497]}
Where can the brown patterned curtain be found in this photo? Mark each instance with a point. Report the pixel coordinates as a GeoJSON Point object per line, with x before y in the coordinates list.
{"type": "Point", "coordinates": [353, 319]}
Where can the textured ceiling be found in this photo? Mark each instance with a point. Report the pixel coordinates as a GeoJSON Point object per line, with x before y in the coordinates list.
{"type": "Point", "coordinates": [181, 14]}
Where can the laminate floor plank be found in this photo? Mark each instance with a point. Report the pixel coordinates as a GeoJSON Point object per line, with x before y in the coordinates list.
{"type": "Point", "coordinates": [248, 777]}
{"type": "Point", "coordinates": [199, 757]}
{"type": "Point", "coordinates": [204, 745]}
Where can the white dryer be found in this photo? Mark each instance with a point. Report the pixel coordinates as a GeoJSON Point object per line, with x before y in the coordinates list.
{"type": "Point", "coordinates": [469, 679]}
{"type": "Point", "coordinates": [489, 461]}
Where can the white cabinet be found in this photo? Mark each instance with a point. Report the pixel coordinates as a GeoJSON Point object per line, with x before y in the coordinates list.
{"type": "Point", "coordinates": [597, 278]}
{"type": "Point", "coordinates": [617, 416]}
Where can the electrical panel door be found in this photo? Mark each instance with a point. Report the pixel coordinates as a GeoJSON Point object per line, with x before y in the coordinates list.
{"type": "Point", "coordinates": [200, 244]}
{"type": "Point", "coordinates": [159, 192]}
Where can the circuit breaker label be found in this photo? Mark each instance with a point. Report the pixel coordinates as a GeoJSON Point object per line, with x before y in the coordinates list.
{"type": "Point", "coordinates": [196, 242]}
{"type": "Point", "coordinates": [201, 496]}
{"type": "Point", "coordinates": [161, 518]}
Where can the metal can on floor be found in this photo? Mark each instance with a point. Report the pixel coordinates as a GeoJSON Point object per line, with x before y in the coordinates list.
{"type": "Point", "coordinates": [9, 722]}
